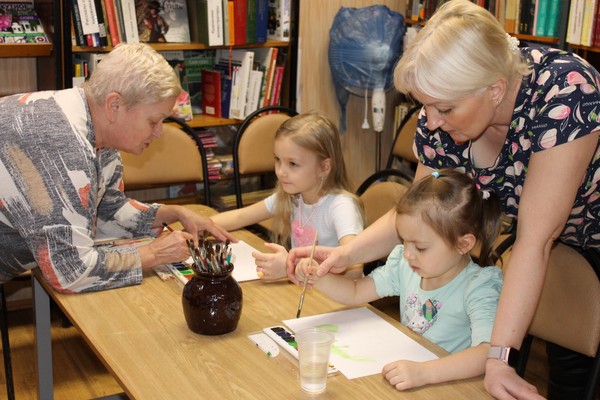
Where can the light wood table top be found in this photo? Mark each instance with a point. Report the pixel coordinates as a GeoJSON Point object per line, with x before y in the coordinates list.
{"type": "Point", "coordinates": [140, 334]}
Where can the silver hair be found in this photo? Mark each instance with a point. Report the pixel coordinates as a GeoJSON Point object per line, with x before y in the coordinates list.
{"type": "Point", "coordinates": [135, 71]}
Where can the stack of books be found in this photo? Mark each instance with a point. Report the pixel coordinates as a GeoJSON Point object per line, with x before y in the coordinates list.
{"type": "Point", "coordinates": [208, 138]}
{"type": "Point", "coordinates": [241, 81]}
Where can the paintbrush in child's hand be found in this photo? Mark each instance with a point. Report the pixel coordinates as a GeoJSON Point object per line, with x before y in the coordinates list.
{"type": "Point", "coordinates": [310, 260]}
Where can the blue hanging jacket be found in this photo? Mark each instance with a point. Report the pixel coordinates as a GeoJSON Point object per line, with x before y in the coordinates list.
{"type": "Point", "coordinates": [364, 46]}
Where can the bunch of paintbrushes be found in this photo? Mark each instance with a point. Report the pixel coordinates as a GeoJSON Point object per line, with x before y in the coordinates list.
{"type": "Point", "coordinates": [209, 258]}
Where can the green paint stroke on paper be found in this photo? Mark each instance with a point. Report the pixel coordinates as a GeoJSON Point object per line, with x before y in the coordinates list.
{"type": "Point", "coordinates": [328, 327]}
{"type": "Point", "coordinates": [340, 351]}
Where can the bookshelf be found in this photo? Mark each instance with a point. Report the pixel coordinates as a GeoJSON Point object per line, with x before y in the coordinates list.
{"type": "Point", "coordinates": [199, 121]}
{"type": "Point", "coordinates": [590, 53]}
{"type": "Point", "coordinates": [69, 49]}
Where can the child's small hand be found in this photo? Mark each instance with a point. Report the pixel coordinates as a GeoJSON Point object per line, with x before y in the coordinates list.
{"type": "Point", "coordinates": [303, 268]}
{"type": "Point", "coordinates": [405, 375]}
{"type": "Point", "coordinates": [271, 266]}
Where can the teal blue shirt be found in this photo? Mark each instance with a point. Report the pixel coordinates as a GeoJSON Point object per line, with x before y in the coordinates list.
{"type": "Point", "coordinates": [456, 316]}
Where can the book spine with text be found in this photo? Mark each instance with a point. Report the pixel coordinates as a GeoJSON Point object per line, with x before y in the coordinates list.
{"type": "Point", "coordinates": [240, 13]}
{"type": "Point", "coordinates": [262, 20]}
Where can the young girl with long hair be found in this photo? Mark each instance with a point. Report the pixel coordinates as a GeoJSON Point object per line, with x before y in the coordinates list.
{"type": "Point", "coordinates": [312, 194]}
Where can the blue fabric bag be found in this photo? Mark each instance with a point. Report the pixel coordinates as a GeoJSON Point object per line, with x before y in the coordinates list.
{"type": "Point", "coordinates": [364, 46]}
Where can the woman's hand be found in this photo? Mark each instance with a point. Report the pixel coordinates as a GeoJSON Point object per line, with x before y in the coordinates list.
{"type": "Point", "coordinates": [331, 259]}
{"type": "Point", "coordinates": [167, 248]}
{"type": "Point", "coordinates": [192, 222]}
{"type": "Point", "coordinates": [502, 382]}
{"type": "Point", "coordinates": [403, 374]}
{"type": "Point", "coordinates": [271, 266]}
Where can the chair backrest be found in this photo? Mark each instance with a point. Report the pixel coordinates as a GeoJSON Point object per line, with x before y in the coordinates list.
{"type": "Point", "coordinates": [379, 195]}
{"type": "Point", "coordinates": [253, 144]}
{"type": "Point", "coordinates": [568, 313]}
{"type": "Point", "coordinates": [402, 147]}
{"type": "Point", "coordinates": [176, 157]}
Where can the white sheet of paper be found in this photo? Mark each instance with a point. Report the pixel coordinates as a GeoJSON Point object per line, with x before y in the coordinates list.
{"type": "Point", "coordinates": [364, 342]}
{"type": "Point", "coordinates": [243, 262]}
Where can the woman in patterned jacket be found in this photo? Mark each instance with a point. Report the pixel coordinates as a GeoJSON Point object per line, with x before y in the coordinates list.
{"type": "Point", "coordinates": [61, 177]}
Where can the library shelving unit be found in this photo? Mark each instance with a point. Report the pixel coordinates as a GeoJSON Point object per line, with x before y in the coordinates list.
{"type": "Point", "coordinates": [590, 53]}
{"type": "Point", "coordinates": [289, 80]}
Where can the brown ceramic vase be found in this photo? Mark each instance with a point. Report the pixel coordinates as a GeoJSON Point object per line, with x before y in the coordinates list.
{"type": "Point", "coordinates": [212, 303]}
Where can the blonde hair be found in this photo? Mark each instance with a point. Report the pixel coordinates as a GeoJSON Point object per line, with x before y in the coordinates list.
{"type": "Point", "coordinates": [316, 133]}
{"type": "Point", "coordinates": [453, 206]}
{"type": "Point", "coordinates": [460, 50]}
{"type": "Point", "coordinates": [135, 71]}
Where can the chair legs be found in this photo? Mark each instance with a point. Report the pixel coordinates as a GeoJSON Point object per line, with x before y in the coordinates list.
{"type": "Point", "coordinates": [10, 389]}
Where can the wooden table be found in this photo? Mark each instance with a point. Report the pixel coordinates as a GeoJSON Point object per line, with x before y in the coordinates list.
{"type": "Point", "coordinates": [141, 336]}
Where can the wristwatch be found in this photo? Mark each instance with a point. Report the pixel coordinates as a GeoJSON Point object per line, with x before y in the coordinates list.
{"type": "Point", "coordinates": [509, 355]}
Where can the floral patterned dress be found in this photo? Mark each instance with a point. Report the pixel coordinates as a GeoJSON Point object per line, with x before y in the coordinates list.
{"type": "Point", "coordinates": [557, 103]}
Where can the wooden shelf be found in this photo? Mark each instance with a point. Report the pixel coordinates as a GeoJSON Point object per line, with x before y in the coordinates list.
{"type": "Point", "coordinates": [184, 46]}
{"type": "Point", "coordinates": [585, 48]}
{"type": "Point", "coordinates": [25, 50]}
{"type": "Point", "coordinates": [201, 121]}
{"type": "Point", "coordinates": [539, 39]}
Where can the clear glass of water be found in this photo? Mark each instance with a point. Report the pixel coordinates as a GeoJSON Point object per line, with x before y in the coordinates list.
{"type": "Point", "coordinates": [314, 347]}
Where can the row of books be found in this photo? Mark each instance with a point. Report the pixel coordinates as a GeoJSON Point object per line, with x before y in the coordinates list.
{"type": "Point", "coordinates": [208, 138]}
{"type": "Point", "coordinates": [219, 83]}
{"type": "Point", "coordinates": [19, 23]}
{"type": "Point", "coordinates": [212, 22]}
{"type": "Point", "coordinates": [525, 17]}
{"type": "Point", "coordinates": [583, 26]}
{"type": "Point", "coordinates": [228, 22]}
{"type": "Point", "coordinates": [241, 81]}
{"type": "Point", "coordinates": [110, 22]}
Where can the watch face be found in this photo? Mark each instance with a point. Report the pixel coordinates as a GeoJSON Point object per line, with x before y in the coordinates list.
{"type": "Point", "coordinates": [513, 357]}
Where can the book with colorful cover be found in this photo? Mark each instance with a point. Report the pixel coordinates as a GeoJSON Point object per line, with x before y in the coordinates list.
{"type": "Point", "coordinates": [162, 22]}
{"type": "Point", "coordinates": [20, 24]}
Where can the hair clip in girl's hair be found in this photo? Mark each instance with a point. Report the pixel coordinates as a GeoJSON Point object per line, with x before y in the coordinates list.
{"type": "Point", "coordinates": [435, 174]}
{"type": "Point", "coordinates": [485, 194]}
